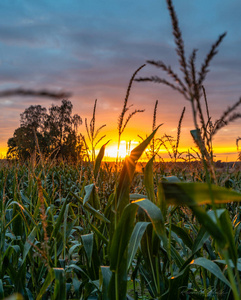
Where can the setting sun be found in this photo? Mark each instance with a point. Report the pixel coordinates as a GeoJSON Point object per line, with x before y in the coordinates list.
{"type": "Point", "coordinates": [111, 151]}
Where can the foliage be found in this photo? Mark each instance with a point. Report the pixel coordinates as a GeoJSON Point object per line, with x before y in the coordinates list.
{"type": "Point", "coordinates": [51, 134]}
{"type": "Point", "coordinates": [65, 234]}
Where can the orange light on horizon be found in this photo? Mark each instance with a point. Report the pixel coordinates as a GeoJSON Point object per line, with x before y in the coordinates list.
{"type": "Point", "coordinates": [220, 153]}
{"type": "Point", "coordinates": [111, 152]}
{"type": "Point", "coordinates": [3, 152]}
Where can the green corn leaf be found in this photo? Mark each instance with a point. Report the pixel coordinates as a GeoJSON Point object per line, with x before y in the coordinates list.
{"type": "Point", "coordinates": [91, 209]}
{"type": "Point", "coordinates": [179, 261]}
{"type": "Point", "coordinates": [99, 160]}
{"type": "Point", "coordinates": [118, 253]}
{"type": "Point", "coordinates": [207, 264]}
{"type": "Point", "coordinates": [156, 218]}
{"type": "Point", "coordinates": [96, 213]}
{"type": "Point", "coordinates": [211, 267]}
{"type": "Point", "coordinates": [28, 244]}
{"type": "Point", "coordinates": [74, 248]}
{"type": "Point", "coordinates": [213, 228]}
{"type": "Point", "coordinates": [77, 268]}
{"type": "Point", "coordinates": [227, 229]}
{"type": "Point", "coordinates": [76, 284]}
{"type": "Point", "coordinates": [65, 228]}
{"type": "Point", "coordinates": [148, 180]}
{"type": "Point", "coordinates": [59, 219]}
{"type": "Point", "coordinates": [200, 239]}
{"type": "Point", "coordinates": [183, 235]}
{"type": "Point", "coordinates": [197, 193]}
{"type": "Point", "coordinates": [60, 284]}
{"type": "Point", "coordinates": [91, 196]}
{"type": "Point", "coordinates": [135, 239]}
{"type": "Point", "coordinates": [136, 196]}
{"type": "Point", "coordinates": [12, 249]}
{"type": "Point", "coordinates": [88, 241]}
{"type": "Point", "coordinates": [105, 276]}
{"type": "Point", "coordinates": [221, 261]}
{"type": "Point", "coordinates": [36, 209]}
{"type": "Point", "coordinates": [88, 191]}
{"type": "Point", "coordinates": [137, 152]}
{"type": "Point", "coordinates": [24, 198]}
{"type": "Point", "coordinates": [48, 280]}
{"type": "Point", "coordinates": [237, 230]}
{"type": "Point", "coordinates": [1, 289]}
{"type": "Point", "coordinates": [188, 194]}
{"type": "Point", "coordinates": [219, 212]}
{"type": "Point", "coordinates": [24, 210]}
{"type": "Point", "coordinates": [122, 236]}
{"type": "Point", "coordinates": [99, 234]}
{"type": "Point", "coordinates": [47, 197]}
{"type": "Point", "coordinates": [127, 173]}
{"type": "Point", "coordinates": [176, 286]}
{"type": "Point", "coordinates": [161, 202]}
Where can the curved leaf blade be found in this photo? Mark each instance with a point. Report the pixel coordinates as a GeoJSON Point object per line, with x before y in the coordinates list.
{"type": "Point", "coordinates": [211, 267]}
{"type": "Point", "coordinates": [135, 239]}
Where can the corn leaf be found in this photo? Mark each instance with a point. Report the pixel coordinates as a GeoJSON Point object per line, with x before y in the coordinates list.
{"type": "Point", "coordinates": [88, 241]}
{"type": "Point", "coordinates": [211, 267]}
{"type": "Point", "coordinates": [155, 216]}
{"type": "Point", "coordinates": [99, 160]}
{"type": "Point", "coordinates": [91, 196]}
{"type": "Point", "coordinates": [127, 173]}
{"type": "Point", "coordinates": [91, 209]}
{"type": "Point", "coordinates": [118, 253]}
{"type": "Point", "coordinates": [227, 229]}
{"type": "Point", "coordinates": [148, 180]}
{"type": "Point", "coordinates": [59, 219]}
{"type": "Point", "coordinates": [135, 239]}
{"type": "Point", "coordinates": [197, 193]}
{"type": "Point", "coordinates": [105, 276]}
{"type": "Point", "coordinates": [60, 285]}
{"type": "Point", "coordinates": [200, 239]}
{"type": "Point", "coordinates": [28, 244]}
{"type": "Point", "coordinates": [183, 235]}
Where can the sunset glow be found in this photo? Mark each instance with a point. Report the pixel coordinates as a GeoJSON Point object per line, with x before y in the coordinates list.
{"type": "Point", "coordinates": [220, 153]}
{"type": "Point", "coordinates": [111, 152]}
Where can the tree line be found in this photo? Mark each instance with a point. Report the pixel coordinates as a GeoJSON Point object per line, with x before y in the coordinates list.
{"type": "Point", "coordinates": [51, 133]}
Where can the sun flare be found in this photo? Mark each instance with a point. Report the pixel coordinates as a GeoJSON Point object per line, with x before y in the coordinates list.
{"type": "Point", "coordinates": [124, 150]}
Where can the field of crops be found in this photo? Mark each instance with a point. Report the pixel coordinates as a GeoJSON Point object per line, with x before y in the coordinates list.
{"type": "Point", "coordinates": [91, 231]}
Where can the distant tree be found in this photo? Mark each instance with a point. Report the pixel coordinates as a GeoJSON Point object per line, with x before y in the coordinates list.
{"type": "Point", "coordinates": [23, 143]}
{"type": "Point", "coordinates": [34, 117]}
{"type": "Point", "coordinates": [54, 133]}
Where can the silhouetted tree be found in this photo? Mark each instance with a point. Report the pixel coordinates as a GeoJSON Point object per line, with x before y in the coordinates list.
{"type": "Point", "coordinates": [34, 117]}
{"type": "Point", "coordinates": [53, 133]}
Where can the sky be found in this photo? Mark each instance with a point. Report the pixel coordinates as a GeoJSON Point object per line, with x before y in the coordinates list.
{"type": "Point", "coordinates": [91, 48]}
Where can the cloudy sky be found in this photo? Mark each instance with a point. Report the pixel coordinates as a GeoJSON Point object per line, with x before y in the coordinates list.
{"type": "Point", "coordinates": [91, 48]}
